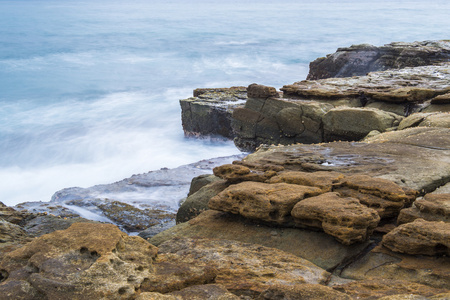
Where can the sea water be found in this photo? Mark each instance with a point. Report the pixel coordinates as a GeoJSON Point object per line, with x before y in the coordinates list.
{"type": "Point", "coordinates": [89, 90]}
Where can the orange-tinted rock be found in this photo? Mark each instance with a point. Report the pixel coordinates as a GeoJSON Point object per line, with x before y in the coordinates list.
{"type": "Point", "coordinates": [432, 207]}
{"type": "Point", "coordinates": [244, 269]}
{"type": "Point", "coordinates": [302, 292]}
{"type": "Point", "coordinates": [236, 173]}
{"type": "Point", "coordinates": [262, 201]}
{"type": "Point", "coordinates": [376, 288]}
{"type": "Point", "coordinates": [420, 237]}
{"type": "Point", "coordinates": [346, 219]}
{"type": "Point", "coordinates": [321, 179]}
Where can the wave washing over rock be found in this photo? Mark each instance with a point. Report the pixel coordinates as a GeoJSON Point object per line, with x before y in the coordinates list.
{"type": "Point", "coordinates": [345, 196]}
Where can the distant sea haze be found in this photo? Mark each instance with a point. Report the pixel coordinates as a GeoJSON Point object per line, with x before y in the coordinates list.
{"type": "Point", "coordinates": [89, 90]}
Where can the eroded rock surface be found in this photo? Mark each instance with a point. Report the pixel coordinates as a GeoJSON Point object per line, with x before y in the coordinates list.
{"type": "Point", "coordinates": [208, 113]}
{"type": "Point", "coordinates": [432, 207]}
{"type": "Point", "coordinates": [420, 237]}
{"type": "Point", "coordinates": [92, 261]}
{"type": "Point", "coordinates": [244, 269]}
{"type": "Point", "coordinates": [265, 202]}
{"type": "Point", "coordinates": [361, 59]}
{"type": "Point", "coordinates": [346, 219]}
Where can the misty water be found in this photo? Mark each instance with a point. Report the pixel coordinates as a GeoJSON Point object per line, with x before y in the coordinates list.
{"type": "Point", "coordinates": [89, 90]}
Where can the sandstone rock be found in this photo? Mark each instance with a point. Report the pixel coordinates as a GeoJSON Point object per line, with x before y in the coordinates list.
{"type": "Point", "coordinates": [377, 288]}
{"type": "Point", "coordinates": [317, 247]}
{"type": "Point", "coordinates": [244, 269]}
{"type": "Point", "coordinates": [432, 207]}
{"type": "Point", "coordinates": [386, 197]}
{"type": "Point", "coordinates": [441, 99]}
{"type": "Point", "coordinates": [196, 292]}
{"type": "Point", "coordinates": [171, 274]}
{"type": "Point", "coordinates": [302, 292]}
{"type": "Point", "coordinates": [261, 201]}
{"type": "Point", "coordinates": [200, 181]}
{"type": "Point", "coordinates": [436, 108]}
{"type": "Point", "coordinates": [276, 120]}
{"type": "Point", "coordinates": [344, 218]}
{"type": "Point", "coordinates": [91, 261]}
{"type": "Point", "coordinates": [426, 120]}
{"type": "Point", "coordinates": [362, 59]}
{"type": "Point", "coordinates": [43, 224]}
{"type": "Point", "coordinates": [326, 181]}
{"type": "Point", "coordinates": [420, 238]}
{"type": "Point", "coordinates": [261, 91]}
{"type": "Point", "coordinates": [417, 158]}
{"type": "Point", "coordinates": [352, 124]}
{"type": "Point", "coordinates": [209, 111]}
{"type": "Point", "coordinates": [415, 85]}
{"type": "Point", "coordinates": [234, 173]}
{"type": "Point", "coordinates": [381, 263]}
{"type": "Point", "coordinates": [198, 202]}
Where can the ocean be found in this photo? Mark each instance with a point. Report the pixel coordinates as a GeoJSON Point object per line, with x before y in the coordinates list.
{"type": "Point", "coordinates": [89, 90]}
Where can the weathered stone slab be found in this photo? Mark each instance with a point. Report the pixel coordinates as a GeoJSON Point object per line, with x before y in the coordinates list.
{"type": "Point", "coordinates": [362, 59]}
{"type": "Point", "coordinates": [302, 292]}
{"type": "Point", "coordinates": [346, 219]}
{"type": "Point", "coordinates": [208, 113]}
{"type": "Point", "coordinates": [353, 123]}
{"type": "Point", "coordinates": [326, 181]}
{"type": "Point", "coordinates": [420, 237]}
{"type": "Point", "coordinates": [243, 268]}
{"type": "Point", "coordinates": [317, 247]}
{"type": "Point", "coordinates": [261, 201]}
{"type": "Point", "coordinates": [205, 291]}
{"type": "Point", "coordinates": [432, 207]}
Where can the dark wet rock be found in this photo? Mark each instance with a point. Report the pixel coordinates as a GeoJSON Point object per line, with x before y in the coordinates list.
{"type": "Point", "coordinates": [142, 201]}
{"type": "Point", "coordinates": [361, 59]}
{"type": "Point", "coordinates": [377, 288]}
{"type": "Point", "coordinates": [317, 247]}
{"type": "Point", "coordinates": [208, 113]}
{"type": "Point", "coordinates": [200, 181]}
{"type": "Point", "coordinates": [420, 237]}
{"type": "Point", "coordinates": [198, 202]}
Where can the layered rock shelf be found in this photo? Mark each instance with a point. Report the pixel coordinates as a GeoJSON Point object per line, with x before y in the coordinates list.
{"type": "Point", "coordinates": [345, 196]}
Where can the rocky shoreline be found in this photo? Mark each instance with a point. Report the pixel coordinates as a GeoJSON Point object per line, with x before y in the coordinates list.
{"type": "Point", "coordinates": [345, 195]}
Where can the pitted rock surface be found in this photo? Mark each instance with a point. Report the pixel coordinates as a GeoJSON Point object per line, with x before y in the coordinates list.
{"type": "Point", "coordinates": [244, 269]}
{"type": "Point", "coordinates": [432, 207]}
{"type": "Point", "coordinates": [420, 237]}
{"type": "Point", "coordinates": [265, 202]}
{"type": "Point", "coordinates": [91, 261]}
{"type": "Point", "coordinates": [344, 218]}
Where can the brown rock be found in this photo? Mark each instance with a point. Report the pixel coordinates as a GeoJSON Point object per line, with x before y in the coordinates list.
{"type": "Point", "coordinates": [386, 197]}
{"type": "Point", "coordinates": [302, 292]}
{"type": "Point", "coordinates": [437, 119]}
{"type": "Point", "coordinates": [89, 261]}
{"type": "Point", "coordinates": [381, 263]}
{"type": "Point", "coordinates": [441, 99]}
{"type": "Point", "coordinates": [344, 218]}
{"type": "Point", "coordinates": [303, 243]}
{"type": "Point", "coordinates": [377, 288]}
{"type": "Point", "coordinates": [432, 207]}
{"type": "Point", "coordinates": [321, 179]}
{"type": "Point", "coordinates": [261, 91]}
{"type": "Point", "coordinates": [234, 173]}
{"type": "Point", "coordinates": [354, 123]}
{"type": "Point", "coordinates": [420, 237]}
{"type": "Point", "coordinates": [362, 59]}
{"type": "Point", "coordinates": [261, 201]}
{"type": "Point", "coordinates": [244, 269]}
{"type": "Point", "coordinates": [196, 292]}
